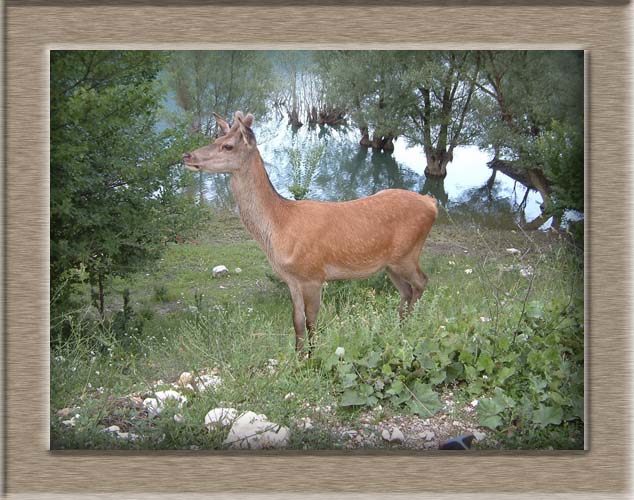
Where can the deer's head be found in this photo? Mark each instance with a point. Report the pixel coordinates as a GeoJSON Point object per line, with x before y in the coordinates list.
{"type": "Point", "coordinates": [229, 152]}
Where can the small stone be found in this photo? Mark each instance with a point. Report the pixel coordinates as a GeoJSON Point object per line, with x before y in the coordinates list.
{"type": "Point", "coordinates": [178, 418]}
{"type": "Point", "coordinates": [393, 436]}
{"type": "Point", "coordinates": [219, 271]}
{"type": "Point", "coordinates": [513, 251]}
{"type": "Point", "coordinates": [206, 381]}
{"type": "Point", "coordinates": [479, 436]}
{"type": "Point", "coordinates": [112, 428]}
{"type": "Point", "coordinates": [185, 379]}
{"type": "Point", "coordinates": [306, 423]}
{"type": "Point", "coordinates": [474, 403]}
{"type": "Point", "coordinates": [238, 270]}
{"type": "Point", "coordinates": [64, 412]}
{"type": "Point", "coordinates": [349, 434]}
{"type": "Point", "coordinates": [289, 396]}
{"type": "Point", "coordinates": [152, 407]}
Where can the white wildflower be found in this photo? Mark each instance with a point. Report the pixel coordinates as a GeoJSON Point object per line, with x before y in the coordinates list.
{"type": "Point", "coordinates": [468, 271]}
{"type": "Point", "coordinates": [339, 352]}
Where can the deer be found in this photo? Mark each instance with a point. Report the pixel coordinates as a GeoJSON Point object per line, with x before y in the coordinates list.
{"type": "Point", "coordinates": [309, 242]}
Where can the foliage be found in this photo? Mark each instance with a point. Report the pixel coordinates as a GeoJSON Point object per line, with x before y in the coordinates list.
{"type": "Point", "coordinates": [303, 169]}
{"type": "Point", "coordinates": [532, 111]}
{"type": "Point", "coordinates": [560, 150]}
{"type": "Point", "coordinates": [114, 188]}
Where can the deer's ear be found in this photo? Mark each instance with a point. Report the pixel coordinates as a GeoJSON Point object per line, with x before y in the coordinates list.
{"type": "Point", "coordinates": [224, 126]}
{"type": "Point", "coordinates": [248, 120]}
{"type": "Point", "coordinates": [245, 131]}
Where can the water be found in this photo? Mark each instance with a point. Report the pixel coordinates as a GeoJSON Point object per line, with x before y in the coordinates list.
{"type": "Point", "coordinates": [348, 171]}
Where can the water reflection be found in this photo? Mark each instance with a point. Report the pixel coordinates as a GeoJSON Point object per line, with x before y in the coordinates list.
{"type": "Point", "coordinates": [348, 171]}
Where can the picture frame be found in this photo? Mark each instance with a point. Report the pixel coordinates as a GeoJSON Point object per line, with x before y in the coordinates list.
{"type": "Point", "coordinates": [34, 28]}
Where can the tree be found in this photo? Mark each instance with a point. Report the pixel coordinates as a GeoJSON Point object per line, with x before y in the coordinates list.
{"type": "Point", "coordinates": [113, 182]}
{"type": "Point", "coordinates": [532, 119]}
{"type": "Point", "coordinates": [425, 96]}
{"type": "Point", "coordinates": [440, 91]}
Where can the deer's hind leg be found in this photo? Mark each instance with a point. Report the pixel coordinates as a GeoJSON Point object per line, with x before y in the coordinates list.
{"type": "Point", "coordinates": [299, 316]}
{"type": "Point", "coordinates": [410, 272]}
{"type": "Point", "coordinates": [404, 289]}
{"type": "Point", "coordinates": [312, 302]}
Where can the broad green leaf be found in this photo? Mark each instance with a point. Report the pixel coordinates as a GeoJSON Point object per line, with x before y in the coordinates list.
{"type": "Point", "coordinates": [488, 413]}
{"type": "Point", "coordinates": [485, 363]}
{"type": "Point", "coordinates": [548, 415]}
{"type": "Point", "coordinates": [504, 373]}
{"type": "Point", "coordinates": [352, 397]}
{"type": "Point", "coordinates": [425, 401]}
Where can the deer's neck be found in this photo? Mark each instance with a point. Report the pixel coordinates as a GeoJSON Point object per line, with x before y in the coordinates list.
{"type": "Point", "coordinates": [259, 204]}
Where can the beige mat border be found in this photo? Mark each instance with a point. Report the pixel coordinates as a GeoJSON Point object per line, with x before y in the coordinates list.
{"type": "Point", "coordinates": [33, 471]}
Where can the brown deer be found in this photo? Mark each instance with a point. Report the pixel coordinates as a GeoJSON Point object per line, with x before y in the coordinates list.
{"type": "Point", "coordinates": [310, 242]}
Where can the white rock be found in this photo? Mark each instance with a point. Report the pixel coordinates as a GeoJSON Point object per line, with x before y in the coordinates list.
{"type": "Point", "coordinates": [513, 251]}
{"type": "Point", "coordinates": [70, 422]}
{"type": "Point", "coordinates": [253, 431]}
{"type": "Point", "coordinates": [479, 436]}
{"type": "Point", "coordinates": [178, 418]}
{"type": "Point", "coordinates": [306, 423]}
{"type": "Point", "coordinates": [112, 428]}
{"type": "Point", "coordinates": [218, 271]}
{"type": "Point", "coordinates": [152, 406]}
{"type": "Point", "coordinates": [290, 395]}
{"type": "Point", "coordinates": [155, 405]}
{"type": "Point", "coordinates": [238, 270]}
{"type": "Point", "coordinates": [164, 396]}
{"type": "Point", "coordinates": [393, 436]}
{"type": "Point", "coordinates": [250, 417]}
{"type": "Point", "coordinates": [220, 416]}
{"type": "Point", "coordinates": [272, 365]}
{"type": "Point", "coordinates": [474, 403]}
{"type": "Point", "coordinates": [205, 381]}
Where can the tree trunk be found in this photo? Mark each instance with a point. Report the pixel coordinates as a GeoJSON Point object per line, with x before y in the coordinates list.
{"type": "Point", "coordinates": [437, 162]}
{"type": "Point", "coordinates": [365, 137]}
{"type": "Point", "coordinates": [102, 297]}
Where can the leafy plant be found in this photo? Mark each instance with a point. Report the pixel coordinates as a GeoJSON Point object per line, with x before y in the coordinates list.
{"type": "Point", "coordinates": [304, 167]}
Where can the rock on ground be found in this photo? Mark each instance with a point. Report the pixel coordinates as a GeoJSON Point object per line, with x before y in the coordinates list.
{"type": "Point", "coordinates": [220, 416]}
{"type": "Point", "coordinates": [218, 271]}
{"type": "Point", "coordinates": [254, 431]}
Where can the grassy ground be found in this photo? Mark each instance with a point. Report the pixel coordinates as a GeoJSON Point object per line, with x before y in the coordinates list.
{"type": "Point", "coordinates": [495, 347]}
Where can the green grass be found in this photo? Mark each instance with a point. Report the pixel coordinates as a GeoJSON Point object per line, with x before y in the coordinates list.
{"type": "Point", "coordinates": [482, 330]}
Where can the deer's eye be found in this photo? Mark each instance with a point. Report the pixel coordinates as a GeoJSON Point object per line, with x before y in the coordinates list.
{"type": "Point", "coordinates": [227, 147]}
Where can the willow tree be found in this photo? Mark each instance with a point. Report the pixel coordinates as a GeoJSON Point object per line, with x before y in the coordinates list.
{"type": "Point", "coordinates": [532, 120]}
{"type": "Point", "coordinates": [425, 96]}
{"type": "Point", "coordinates": [439, 104]}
